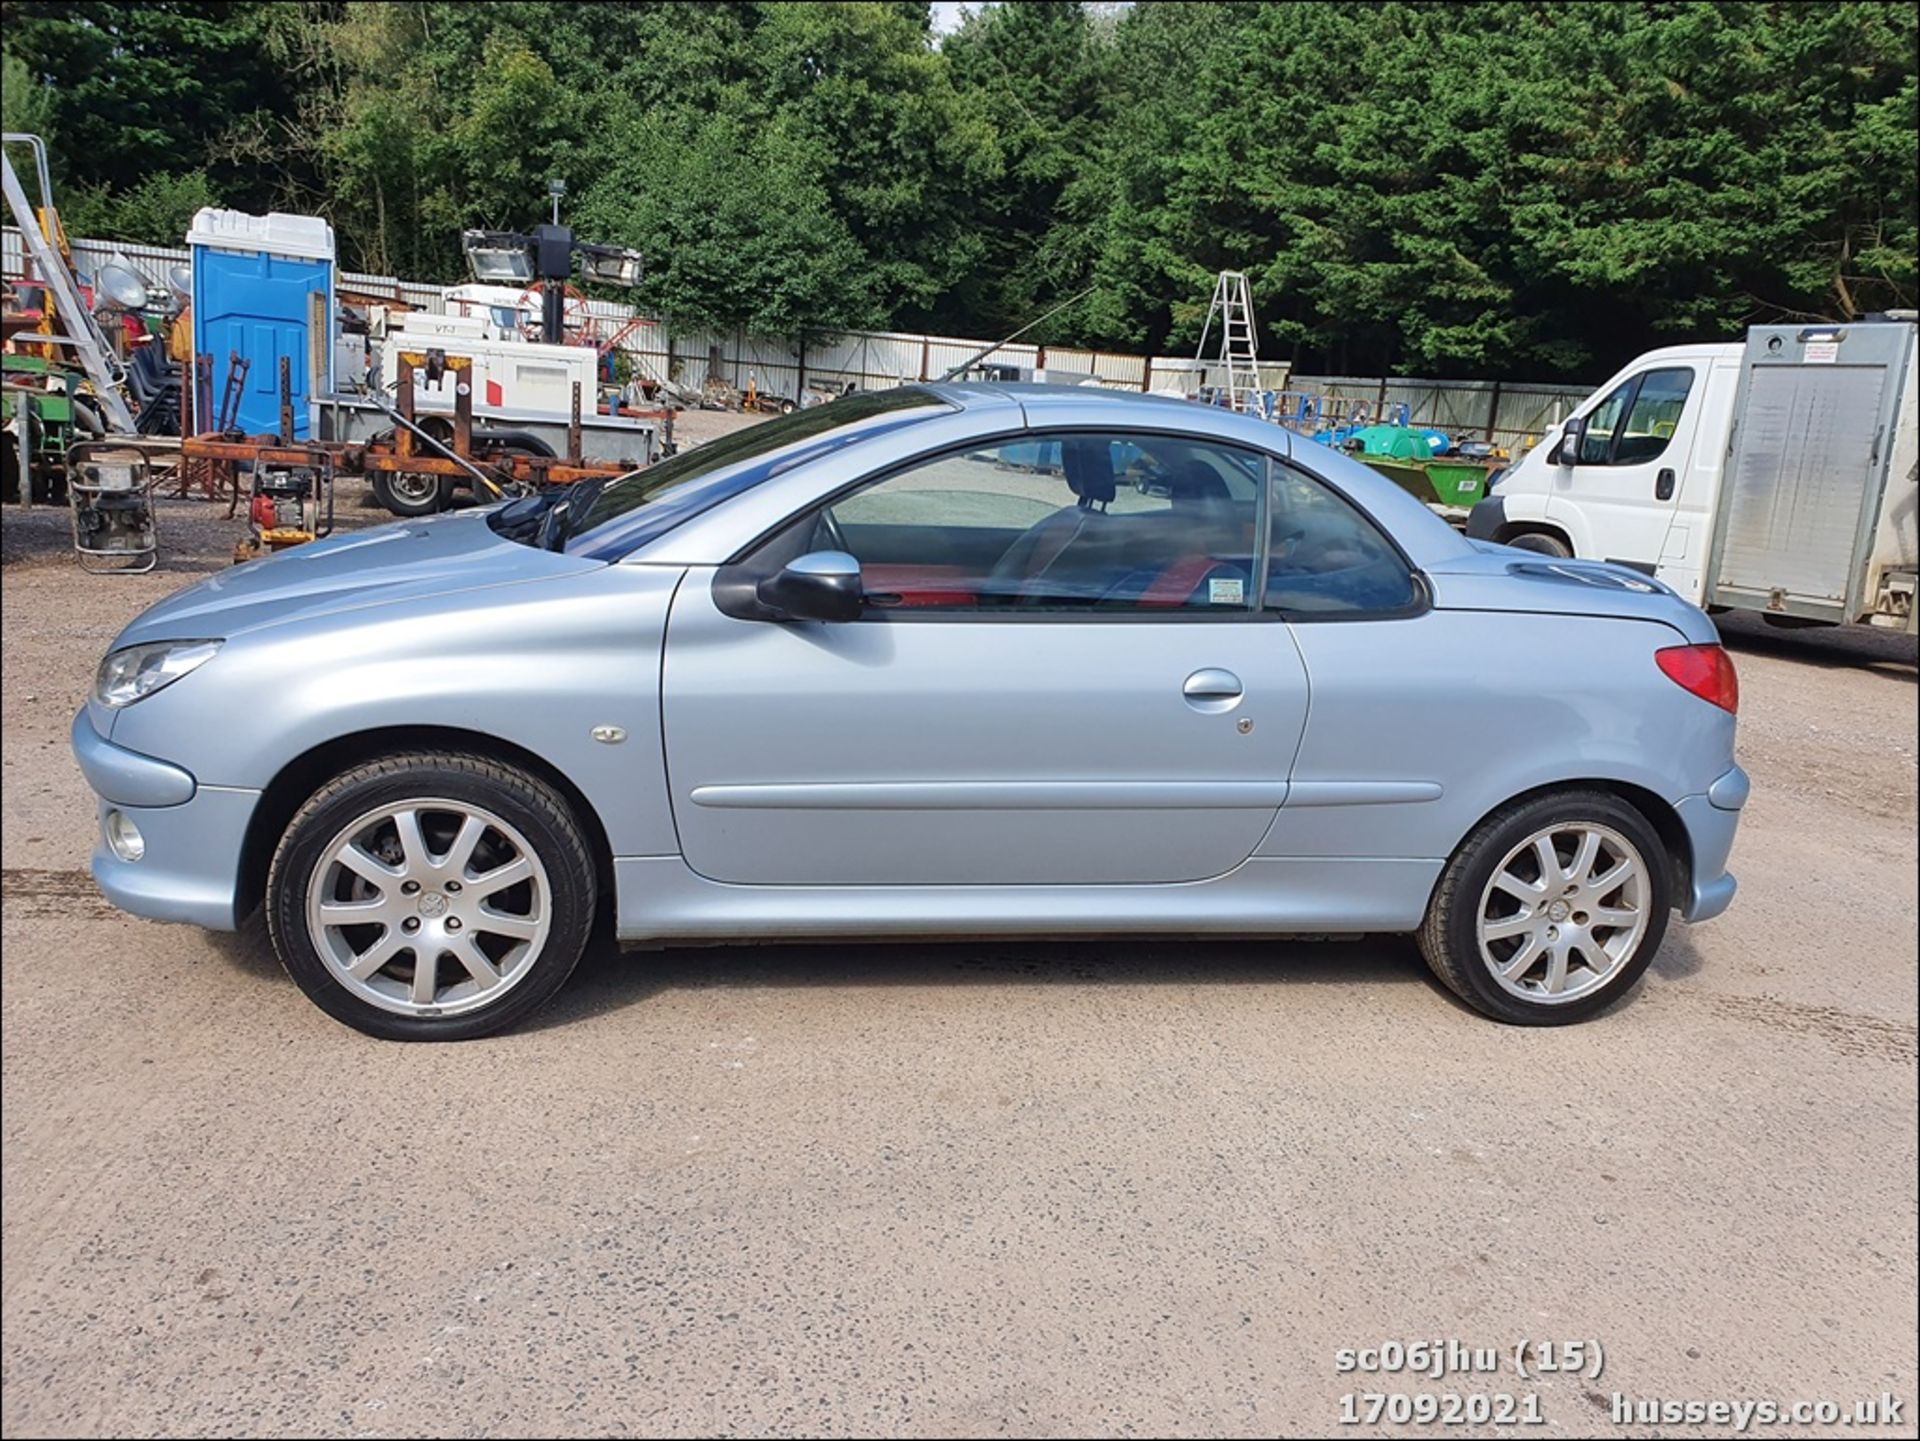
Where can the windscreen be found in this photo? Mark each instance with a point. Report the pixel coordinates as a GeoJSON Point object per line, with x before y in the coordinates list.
{"type": "Point", "coordinates": [635, 508]}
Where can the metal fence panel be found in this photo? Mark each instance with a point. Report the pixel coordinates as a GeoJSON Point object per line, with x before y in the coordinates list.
{"type": "Point", "coordinates": [152, 261]}
{"type": "Point", "coordinates": [1527, 413]}
{"type": "Point", "coordinates": [868, 359]}
{"type": "Point", "coordinates": [1508, 413]}
{"type": "Point", "coordinates": [1119, 372]}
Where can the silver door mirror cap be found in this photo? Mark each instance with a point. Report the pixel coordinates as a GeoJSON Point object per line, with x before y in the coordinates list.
{"type": "Point", "coordinates": [820, 585]}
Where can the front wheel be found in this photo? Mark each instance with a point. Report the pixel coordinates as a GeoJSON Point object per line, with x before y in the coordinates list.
{"type": "Point", "coordinates": [1541, 543]}
{"type": "Point", "coordinates": [1551, 909]}
{"type": "Point", "coordinates": [431, 896]}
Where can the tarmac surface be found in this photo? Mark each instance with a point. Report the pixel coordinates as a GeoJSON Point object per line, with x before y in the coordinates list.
{"type": "Point", "coordinates": [969, 1189]}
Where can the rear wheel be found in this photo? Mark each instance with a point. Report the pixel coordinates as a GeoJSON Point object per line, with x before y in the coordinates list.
{"type": "Point", "coordinates": [1551, 909]}
{"type": "Point", "coordinates": [411, 493]}
{"type": "Point", "coordinates": [431, 897]}
{"type": "Point", "coordinates": [1539, 540]}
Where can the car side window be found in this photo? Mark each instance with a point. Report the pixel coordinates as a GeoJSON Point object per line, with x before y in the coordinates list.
{"type": "Point", "coordinates": [1073, 522]}
{"type": "Point", "coordinates": [1326, 559]}
{"type": "Point", "coordinates": [1633, 424]}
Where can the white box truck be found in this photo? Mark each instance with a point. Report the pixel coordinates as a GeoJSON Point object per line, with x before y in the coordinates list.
{"type": "Point", "coordinates": [1778, 476]}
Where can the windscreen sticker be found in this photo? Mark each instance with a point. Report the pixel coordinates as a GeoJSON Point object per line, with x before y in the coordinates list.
{"type": "Point", "coordinates": [1224, 590]}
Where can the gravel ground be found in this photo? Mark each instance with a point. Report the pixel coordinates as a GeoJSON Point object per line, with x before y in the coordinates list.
{"type": "Point", "coordinates": [953, 1190]}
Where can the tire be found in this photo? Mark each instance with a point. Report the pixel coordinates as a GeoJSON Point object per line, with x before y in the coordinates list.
{"type": "Point", "coordinates": [1603, 960]}
{"type": "Point", "coordinates": [1544, 544]}
{"type": "Point", "coordinates": [9, 467]}
{"type": "Point", "coordinates": [412, 494]}
{"type": "Point", "coordinates": [527, 933]}
{"type": "Point", "coordinates": [48, 488]}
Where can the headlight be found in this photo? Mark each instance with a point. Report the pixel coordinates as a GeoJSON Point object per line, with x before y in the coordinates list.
{"type": "Point", "coordinates": [138, 671]}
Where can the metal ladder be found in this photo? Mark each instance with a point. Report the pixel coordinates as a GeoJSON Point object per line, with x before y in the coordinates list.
{"type": "Point", "coordinates": [87, 341]}
{"type": "Point", "coordinates": [1239, 353]}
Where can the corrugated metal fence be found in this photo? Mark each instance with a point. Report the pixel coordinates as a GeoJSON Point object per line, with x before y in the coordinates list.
{"type": "Point", "coordinates": [155, 261]}
{"type": "Point", "coordinates": [1506, 412]}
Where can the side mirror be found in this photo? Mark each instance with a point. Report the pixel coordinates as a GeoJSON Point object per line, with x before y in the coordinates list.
{"type": "Point", "coordinates": [1572, 431]}
{"type": "Point", "coordinates": [821, 585]}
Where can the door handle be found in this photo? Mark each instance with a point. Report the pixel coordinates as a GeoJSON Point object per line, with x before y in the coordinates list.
{"type": "Point", "coordinates": [1663, 486]}
{"type": "Point", "coordinates": [1212, 690]}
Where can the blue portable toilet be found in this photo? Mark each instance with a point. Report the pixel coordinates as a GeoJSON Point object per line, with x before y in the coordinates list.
{"type": "Point", "coordinates": [263, 288]}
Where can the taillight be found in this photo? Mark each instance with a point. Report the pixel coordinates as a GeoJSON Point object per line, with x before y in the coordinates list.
{"type": "Point", "coordinates": [1706, 670]}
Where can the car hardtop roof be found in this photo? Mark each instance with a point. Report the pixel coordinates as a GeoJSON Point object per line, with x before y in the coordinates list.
{"type": "Point", "coordinates": [977, 394]}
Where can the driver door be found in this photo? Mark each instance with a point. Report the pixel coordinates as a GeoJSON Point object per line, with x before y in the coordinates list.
{"type": "Point", "coordinates": [1623, 486]}
{"type": "Point", "coordinates": [1059, 676]}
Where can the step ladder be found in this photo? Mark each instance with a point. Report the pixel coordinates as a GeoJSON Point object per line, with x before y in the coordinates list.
{"type": "Point", "coordinates": [50, 267]}
{"type": "Point", "coordinates": [1237, 362]}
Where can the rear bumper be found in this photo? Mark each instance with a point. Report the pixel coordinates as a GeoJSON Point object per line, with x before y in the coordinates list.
{"type": "Point", "coordinates": [1711, 821]}
{"type": "Point", "coordinates": [190, 868]}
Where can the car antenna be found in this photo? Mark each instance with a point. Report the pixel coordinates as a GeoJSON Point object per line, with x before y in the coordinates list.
{"type": "Point", "coordinates": [976, 358]}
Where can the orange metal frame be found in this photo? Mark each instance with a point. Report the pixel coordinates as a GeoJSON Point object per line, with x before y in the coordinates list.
{"type": "Point", "coordinates": [406, 453]}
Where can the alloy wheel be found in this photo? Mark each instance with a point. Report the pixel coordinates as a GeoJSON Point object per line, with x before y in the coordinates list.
{"type": "Point", "coordinates": [429, 907]}
{"type": "Point", "coordinates": [1564, 912]}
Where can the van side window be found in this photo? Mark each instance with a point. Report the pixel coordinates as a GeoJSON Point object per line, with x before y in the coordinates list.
{"type": "Point", "coordinates": [1633, 424]}
{"type": "Point", "coordinates": [1656, 411]}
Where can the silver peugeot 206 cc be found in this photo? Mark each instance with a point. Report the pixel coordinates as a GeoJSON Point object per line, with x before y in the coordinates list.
{"type": "Point", "coordinates": [938, 661]}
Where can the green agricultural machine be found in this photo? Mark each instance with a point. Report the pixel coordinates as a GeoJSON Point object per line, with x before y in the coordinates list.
{"type": "Point", "coordinates": [38, 415]}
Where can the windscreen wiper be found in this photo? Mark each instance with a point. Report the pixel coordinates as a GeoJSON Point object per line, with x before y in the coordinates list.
{"type": "Point", "coordinates": [576, 499]}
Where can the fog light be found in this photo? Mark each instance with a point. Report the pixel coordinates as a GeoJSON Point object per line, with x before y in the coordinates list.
{"type": "Point", "coordinates": [124, 838]}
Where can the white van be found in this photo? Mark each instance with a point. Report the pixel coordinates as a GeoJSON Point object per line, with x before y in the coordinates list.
{"type": "Point", "coordinates": [1777, 476]}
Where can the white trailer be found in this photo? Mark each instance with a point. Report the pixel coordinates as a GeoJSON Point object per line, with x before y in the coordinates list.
{"type": "Point", "coordinates": [513, 379]}
{"type": "Point", "coordinates": [521, 394]}
{"type": "Point", "coordinates": [1779, 475]}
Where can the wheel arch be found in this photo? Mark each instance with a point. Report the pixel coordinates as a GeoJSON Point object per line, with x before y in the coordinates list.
{"type": "Point", "coordinates": [300, 777]}
{"type": "Point", "coordinates": [1512, 530]}
{"type": "Point", "coordinates": [1657, 811]}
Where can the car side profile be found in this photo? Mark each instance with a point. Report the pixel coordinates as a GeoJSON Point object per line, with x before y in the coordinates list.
{"type": "Point", "coordinates": [938, 661]}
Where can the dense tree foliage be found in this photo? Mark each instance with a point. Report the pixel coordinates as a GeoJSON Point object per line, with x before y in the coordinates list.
{"type": "Point", "coordinates": [1499, 188]}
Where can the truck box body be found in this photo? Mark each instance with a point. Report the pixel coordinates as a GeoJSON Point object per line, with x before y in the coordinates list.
{"type": "Point", "coordinates": [1821, 420]}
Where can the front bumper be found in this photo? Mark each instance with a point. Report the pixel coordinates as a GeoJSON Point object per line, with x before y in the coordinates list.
{"type": "Point", "coordinates": [194, 834]}
{"type": "Point", "coordinates": [1710, 822]}
{"type": "Point", "coordinates": [1485, 520]}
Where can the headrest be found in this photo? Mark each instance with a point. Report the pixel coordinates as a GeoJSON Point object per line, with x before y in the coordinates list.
{"type": "Point", "coordinates": [1089, 467]}
{"type": "Point", "coordinates": [1195, 481]}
